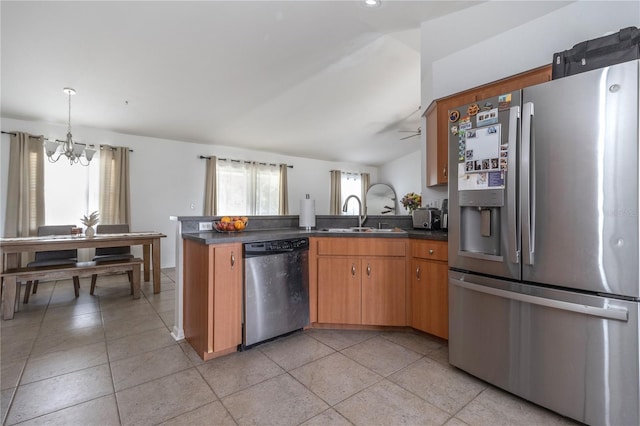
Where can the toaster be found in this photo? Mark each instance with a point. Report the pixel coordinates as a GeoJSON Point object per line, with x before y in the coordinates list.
{"type": "Point", "coordinates": [426, 218]}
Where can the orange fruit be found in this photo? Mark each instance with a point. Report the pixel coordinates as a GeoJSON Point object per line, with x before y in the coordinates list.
{"type": "Point", "coordinates": [225, 219]}
{"type": "Point", "coordinates": [239, 225]}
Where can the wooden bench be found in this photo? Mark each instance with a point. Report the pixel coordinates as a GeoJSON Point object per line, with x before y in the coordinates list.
{"type": "Point", "coordinates": [13, 277]}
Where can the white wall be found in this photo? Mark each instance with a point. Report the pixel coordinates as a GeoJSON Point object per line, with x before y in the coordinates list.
{"type": "Point", "coordinates": [468, 28]}
{"type": "Point", "coordinates": [521, 36]}
{"type": "Point", "coordinates": [403, 175]}
{"type": "Point", "coordinates": [167, 176]}
{"type": "Point", "coordinates": [530, 45]}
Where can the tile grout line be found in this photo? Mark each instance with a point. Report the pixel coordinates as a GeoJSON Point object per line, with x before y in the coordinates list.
{"type": "Point", "coordinates": [218, 398]}
{"type": "Point", "coordinates": [19, 384]}
{"type": "Point", "coordinates": [470, 401]}
{"type": "Point", "coordinates": [26, 361]}
{"type": "Point", "coordinates": [115, 393]}
{"type": "Point", "coordinates": [106, 348]}
{"type": "Point", "coordinates": [39, 324]}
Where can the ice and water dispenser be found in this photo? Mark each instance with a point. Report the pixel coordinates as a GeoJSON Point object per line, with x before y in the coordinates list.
{"type": "Point", "coordinates": [480, 221]}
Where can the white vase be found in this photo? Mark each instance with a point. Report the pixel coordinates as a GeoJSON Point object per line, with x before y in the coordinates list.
{"type": "Point", "coordinates": [89, 232]}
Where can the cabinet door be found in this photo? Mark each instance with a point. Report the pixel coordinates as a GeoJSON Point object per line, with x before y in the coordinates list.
{"type": "Point", "coordinates": [430, 297]}
{"type": "Point", "coordinates": [339, 292]}
{"type": "Point", "coordinates": [227, 297]}
{"type": "Point", "coordinates": [198, 287]}
{"type": "Point", "coordinates": [383, 291]}
{"type": "Point", "coordinates": [438, 137]}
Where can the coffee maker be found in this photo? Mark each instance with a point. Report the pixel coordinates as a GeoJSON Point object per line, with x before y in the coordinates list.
{"type": "Point", "coordinates": [444, 215]}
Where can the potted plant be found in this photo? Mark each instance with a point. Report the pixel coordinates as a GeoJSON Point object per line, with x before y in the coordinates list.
{"type": "Point", "coordinates": [90, 222]}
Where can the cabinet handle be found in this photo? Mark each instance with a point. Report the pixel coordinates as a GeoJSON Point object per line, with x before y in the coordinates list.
{"type": "Point", "coordinates": [353, 269]}
{"type": "Point", "coordinates": [444, 172]}
{"type": "Point", "coordinates": [430, 251]}
{"type": "Point", "coordinates": [418, 272]}
{"type": "Point", "coordinates": [368, 269]}
{"type": "Point", "coordinates": [233, 260]}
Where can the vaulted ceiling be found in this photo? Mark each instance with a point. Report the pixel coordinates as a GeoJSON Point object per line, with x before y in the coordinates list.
{"type": "Point", "coordinates": [330, 80]}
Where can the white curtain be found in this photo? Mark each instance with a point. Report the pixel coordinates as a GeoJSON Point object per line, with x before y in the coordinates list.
{"type": "Point", "coordinates": [115, 198]}
{"type": "Point", "coordinates": [266, 189]}
{"type": "Point", "coordinates": [247, 188]}
{"type": "Point", "coordinates": [25, 186]}
{"type": "Point", "coordinates": [350, 184]}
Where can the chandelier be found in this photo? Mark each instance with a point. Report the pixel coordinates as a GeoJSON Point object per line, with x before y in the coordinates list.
{"type": "Point", "coordinates": [67, 148]}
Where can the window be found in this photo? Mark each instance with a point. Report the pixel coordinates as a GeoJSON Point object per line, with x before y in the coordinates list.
{"type": "Point", "coordinates": [247, 188]}
{"type": "Point", "coordinates": [70, 191]}
{"type": "Point", "coordinates": [350, 184]}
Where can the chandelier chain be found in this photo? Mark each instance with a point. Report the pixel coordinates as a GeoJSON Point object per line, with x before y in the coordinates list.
{"type": "Point", "coordinates": [69, 122]}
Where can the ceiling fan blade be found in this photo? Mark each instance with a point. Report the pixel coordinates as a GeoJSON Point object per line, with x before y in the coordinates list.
{"type": "Point", "coordinates": [411, 136]}
{"type": "Point", "coordinates": [398, 121]}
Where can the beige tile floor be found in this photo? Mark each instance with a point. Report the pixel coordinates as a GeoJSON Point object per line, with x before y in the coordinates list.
{"type": "Point", "coordinates": [109, 360]}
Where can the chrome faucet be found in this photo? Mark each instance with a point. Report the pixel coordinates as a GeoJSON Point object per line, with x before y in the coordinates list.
{"type": "Point", "coordinates": [361, 217]}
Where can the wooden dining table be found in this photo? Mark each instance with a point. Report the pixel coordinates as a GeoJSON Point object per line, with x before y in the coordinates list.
{"type": "Point", "coordinates": [10, 248]}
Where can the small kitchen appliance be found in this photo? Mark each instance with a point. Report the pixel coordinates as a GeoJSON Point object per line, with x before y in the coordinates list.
{"type": "Point", "coordinates": [426, 218]}
{"type": "Point", "coordinates": [444, 215]}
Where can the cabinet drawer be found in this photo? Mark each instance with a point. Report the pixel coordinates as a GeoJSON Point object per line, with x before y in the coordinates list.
{"type": "Point", "coordinates": [426, 249]}
{"type": "Point", "coordinates": [362, 247]}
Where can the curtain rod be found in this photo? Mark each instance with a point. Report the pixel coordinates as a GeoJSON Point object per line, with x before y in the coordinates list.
{"type": "Point", "coordinates": [347, 173]}
{"type": "Point", "coordinates": [14, 134]}
{"type": "Point", "coordinates": [58, 140]}
{"type": "Point", "coordinates": [204, 157]}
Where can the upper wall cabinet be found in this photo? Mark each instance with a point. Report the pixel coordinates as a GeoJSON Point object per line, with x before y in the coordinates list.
{"type": "Point", "coordinates": [437, 116]}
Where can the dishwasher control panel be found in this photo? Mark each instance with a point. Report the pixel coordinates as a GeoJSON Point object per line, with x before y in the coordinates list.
{"type": "Point", "coordinates": [277, 246]}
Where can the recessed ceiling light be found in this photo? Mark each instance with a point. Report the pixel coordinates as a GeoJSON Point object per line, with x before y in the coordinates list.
{"type": "Point", "coordinates": [372, 3]}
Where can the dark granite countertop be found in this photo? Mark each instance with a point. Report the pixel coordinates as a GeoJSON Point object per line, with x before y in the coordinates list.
{"type": "Point", "coordinates": [425, 234]}
{"type": "Point", "coordinates": [213, 237]}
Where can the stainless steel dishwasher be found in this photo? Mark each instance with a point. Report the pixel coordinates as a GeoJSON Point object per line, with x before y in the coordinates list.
{"type": "Point", "coordinates": [276, 289]}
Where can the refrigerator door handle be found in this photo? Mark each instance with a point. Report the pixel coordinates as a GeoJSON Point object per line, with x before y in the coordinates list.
{"type": "Point", "coordinates": [612, 313]}
{"type": "Point", "coordinates": [527, 179]}
{"type": "Point", "coordinates": [513, 248]}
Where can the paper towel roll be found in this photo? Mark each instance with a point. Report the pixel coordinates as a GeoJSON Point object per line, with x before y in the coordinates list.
{"type": "Point", "coordinates": [307, 213]}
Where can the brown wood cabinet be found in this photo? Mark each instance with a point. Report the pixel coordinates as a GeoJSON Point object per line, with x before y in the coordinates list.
{"type": "Point", "coordinates": [437, 117]}
{"type": "Point", "coordinates": [213, 297]}
{"type": "Point", "coordinates": [339, 290]}
{"type": "Point", "coordinates": [361, 281]}
{"type": "Point", "coordinates": [383, 291]}
{"type": "Point", "coordinates": [438, 137]}
{"type": "Point", "coordinates": [429, 287]}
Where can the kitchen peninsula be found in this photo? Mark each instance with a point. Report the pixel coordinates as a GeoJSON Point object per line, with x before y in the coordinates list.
{"type": "Point", "coordinates": [372, 279]}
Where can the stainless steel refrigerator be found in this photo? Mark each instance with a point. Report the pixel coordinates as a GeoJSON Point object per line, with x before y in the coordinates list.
{"type": "Point", "coordinates": [543, 244]}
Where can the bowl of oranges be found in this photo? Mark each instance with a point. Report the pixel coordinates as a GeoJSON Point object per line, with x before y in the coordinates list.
{"type": "Point", "coordinates": [231, 224]}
